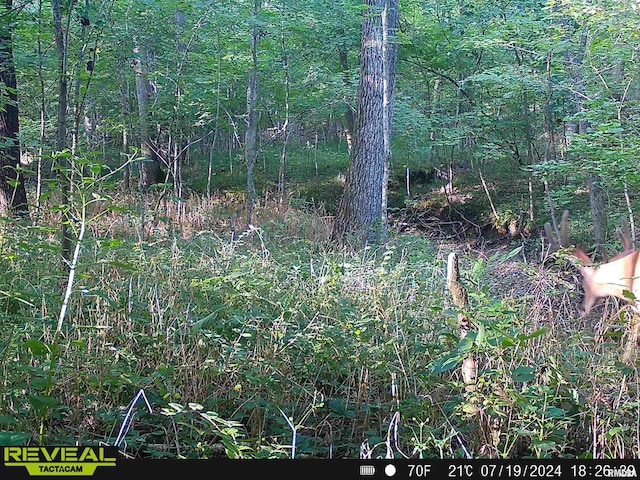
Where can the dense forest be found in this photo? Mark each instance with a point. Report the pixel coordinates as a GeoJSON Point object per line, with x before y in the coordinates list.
{"type": "Point", "coordinates": [230, 229]}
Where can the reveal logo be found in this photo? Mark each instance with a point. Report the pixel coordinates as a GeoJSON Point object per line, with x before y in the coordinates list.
{"type": "Point", "coordinates": [60, 461]}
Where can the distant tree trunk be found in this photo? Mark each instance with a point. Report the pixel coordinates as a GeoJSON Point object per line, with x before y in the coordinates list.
{"type": "Point", "coordinates": [285, 127]}
{"type": "Point", "coordinates": [42, 107]}
{"type": "Point", "coordinates": [13, 196]}
{"type": "Point", "coordinates": [390, 56]}
{"type": "Point", "coordinates": [150, 171]}
{"type": "Point", "coordinates": [76, 101]}
{"type": "Point", "coordinates": [624, 95]}
{"type": "Point", "coordinates": [362, 210]}
{"type": "Point", "coordinates": [125, 110]}
{"type": "Point", "coordinates": [217, 121]}
{"type": "Point", "coordinates": [178, 139]}
{"type": "Point", "coordinates": [64, 174]}
{"type": "Point", "coordinates": [251, 135]}
{"type": "Point", "coordinates": [348, 114]}
{"type": "Point", "coordinates": [551, 148]}
{"type": "Point", "coordinates": [574, 60]}
{"type": "Point", "coordinates": [598, 212]}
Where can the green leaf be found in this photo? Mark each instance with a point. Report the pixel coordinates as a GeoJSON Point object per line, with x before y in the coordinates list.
{"type": "Point", "coordinates": [554, 412]}
{"type": "Point", "coordinates": [512, 253]}
{"type": "Point", "coordinates": [543, 445]}
{"type": "Point", "coordinates": [14, 439]}
{"type": "Point", "coordinates": [41, 403]}
{"type": "Point", "coordinates": [466, 344]}
{"type": "Point", "coordinates": [6, 420]}
{"type": "Point", "coordinates": [123, 265]}
{"type": "Point", "coordinates": [523, 374]}
{"type": "Point", "coordinates": [445, 363]}
{"type": "Point", "coordinates": [38, 382]}
{"type": "Point", "coordinates": [36, 347]}
{"type": "Point", "coordinates": [537, 333]}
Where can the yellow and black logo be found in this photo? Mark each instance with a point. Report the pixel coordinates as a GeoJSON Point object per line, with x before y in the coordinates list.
{"type": "Point", "coordinates": [60, 461]}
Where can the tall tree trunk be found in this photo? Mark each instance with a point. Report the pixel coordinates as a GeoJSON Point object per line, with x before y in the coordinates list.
{"type": "Point", "coordinates": [251, 135]}
{"type": "Point", "coordinates": [362, 209]}
{"type": "Point", "coordinates": [346, 80]}
{"type": "Point", "coordinates": [178, 138]}
{"type": "Point", "coordinates": [217, 121]}
{"type": "Point", "coordinates": [150, 171]}
{"type": "Point", "coordinates": [285, 127]}
{"type": "Point", "coordinates": [76, 104]}
{"type": "Point", "coordinates": [42, 107]}
{"type": "Point", "coordinates": [64, 173]}
{"type": "Point", "coordinates": [125, 110]}
{"type": "Point", "coordinates": [390, 55]}
{"type": "Point", "coordinates": [13, 196]}
{"type": "Point", "coordinates": [574, 60]}
{"type": "Point", "coordinates": [551, 148]}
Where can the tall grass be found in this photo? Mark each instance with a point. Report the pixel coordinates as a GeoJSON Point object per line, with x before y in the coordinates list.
{"type": "Point", "coordinates": [249, 343]}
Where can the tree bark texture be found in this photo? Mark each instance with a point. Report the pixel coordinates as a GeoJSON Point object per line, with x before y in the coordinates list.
{"type": "Point", "coordinates": [574, 60]}
{"type": "Point", "coordinates": [13, 196]}
{"type": "Point", "coordinates": [64, 173]}
{"type": "Point", "coordinates": [362, 210]}
{"type": "Point", "coordinates": [150, 171]}
{"type": "Point", "coordinates": [282, 172]}
{"type": "Point", "coordinates": [61, 48]}
{"type": "Point", "coordinates": [251, 142]}
{"type": "Point", "coordinates": [348, 114]}
{"type": "Point", "coordinates": [253, 115]}
{"type": "Point", "coordinates": [390, 55]}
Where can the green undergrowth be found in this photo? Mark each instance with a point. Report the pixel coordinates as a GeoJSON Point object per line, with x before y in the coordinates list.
{"type": "Point", "coordinates": [271, 342]}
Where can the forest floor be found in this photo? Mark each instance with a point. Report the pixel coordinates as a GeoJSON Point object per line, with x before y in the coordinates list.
{"type": "Point", "coordinates": [230, 331]}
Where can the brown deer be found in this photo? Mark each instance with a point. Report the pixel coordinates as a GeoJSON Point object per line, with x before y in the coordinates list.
{"type": "Point", "coordinates": [616, 277]}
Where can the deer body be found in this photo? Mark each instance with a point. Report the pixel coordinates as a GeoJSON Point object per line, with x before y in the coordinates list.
{"type": "Point", "coordinates": [618, 277]}
{"type": "Point", "coordinates": [611, 279]}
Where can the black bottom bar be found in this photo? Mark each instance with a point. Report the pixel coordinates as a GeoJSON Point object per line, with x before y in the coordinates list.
{"type": "Point", "coordinates": [340, 469]}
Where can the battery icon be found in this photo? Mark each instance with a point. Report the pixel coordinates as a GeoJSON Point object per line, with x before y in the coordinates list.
{"type": "Point", "coordinates": [367, 470]}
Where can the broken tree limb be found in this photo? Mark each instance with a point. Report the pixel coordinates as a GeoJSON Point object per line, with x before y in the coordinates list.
{"type": "Point", "coordinates": [461, 301]}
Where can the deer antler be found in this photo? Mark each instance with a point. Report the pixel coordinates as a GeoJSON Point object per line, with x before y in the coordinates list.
{"type": "Point", "coordinates": [556, 243]}
{"type": "Point", "coordinates": [615, 277]}
{"type": "Point", "coordinates": [554, 246]}
{"type": "Point", "coordinates": [563, 242]}
{"type": "Point", "coordinates": [625, 236]}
